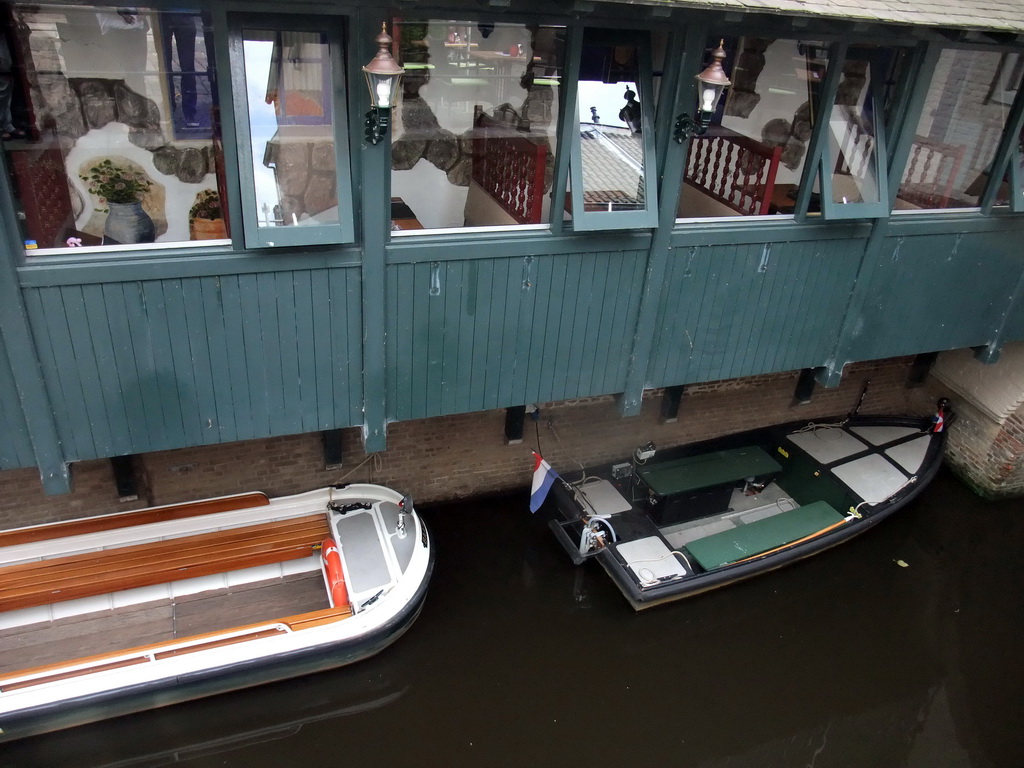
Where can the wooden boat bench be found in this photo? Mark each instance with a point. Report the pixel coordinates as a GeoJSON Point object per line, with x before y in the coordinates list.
{"type": "Point", "coordinates": [697, 486]}
{"type": "Point", "coordinates": [42, 582]}
{"type": "Point", "coordinates": [162, 514]}
{"type": "Point", "coordinates": [764, 535]}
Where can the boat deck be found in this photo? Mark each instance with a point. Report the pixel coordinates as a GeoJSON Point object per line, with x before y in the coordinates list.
{"type": "Point", "coordinates": [161, 620]}
{"type": "Point", "coordinates": [743, 509]}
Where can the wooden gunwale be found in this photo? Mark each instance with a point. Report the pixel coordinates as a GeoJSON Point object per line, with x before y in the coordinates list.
{"type": "Point", "coordinates": [41, 582]}
{"type": "Point", "coordinates": [146, 516]}
{"type": "Point", "coordinates": [144, 654]}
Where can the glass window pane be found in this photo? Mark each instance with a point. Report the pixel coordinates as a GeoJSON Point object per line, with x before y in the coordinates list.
{"type": "Point", "coordinates": [751, 159]}
{"type": "Point", "coordinates": [963, 119]}
{"type": "Point", "coordinates": [474, 134]}
{"type": "Point", "coordinates": [613, 154]}
{"type": "Point", "coordinates": [110, 126]}
{"type": "Point", "coordinates": [290, 105]}
{"type": "Point", "coordinates": [852, 135]}
{"type": "Point", "coordinates": [611, 140]}
{"type": "Point", "coordinates": [1014, 187]}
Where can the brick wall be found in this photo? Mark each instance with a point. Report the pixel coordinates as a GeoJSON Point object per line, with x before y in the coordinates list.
{"type": "Point", "coordinates": [456, 456]}
{"type": "Point", "coordinates": [986, 455]}
{"type": "Point", "coordinates": [1008, 456]}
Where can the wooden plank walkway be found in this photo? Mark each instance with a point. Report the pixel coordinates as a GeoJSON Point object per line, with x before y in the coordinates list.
{"type": "Point", "coordinates": [158, 621]}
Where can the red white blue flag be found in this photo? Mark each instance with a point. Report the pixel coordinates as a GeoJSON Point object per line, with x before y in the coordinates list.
{"type": "Point", "coordinates": [543, 478]}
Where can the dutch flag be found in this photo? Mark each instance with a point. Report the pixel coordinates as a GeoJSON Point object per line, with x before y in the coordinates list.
{"type": "Point", "coordinates": [543, 477]}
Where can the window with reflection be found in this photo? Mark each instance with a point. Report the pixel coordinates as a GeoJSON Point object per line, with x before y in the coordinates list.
{"type": "Point", "coordinates": [613, 154]}
{"type": "Point", "coordinates": [853, 176]}
{"type": "Point", "coordinates": [611, 129]}
{"type": "Point", "coordinates": [474, 132]}
{"type": "Point", "coordinates": [852, 168]}
{"type": "Point", "coordinates": [751, 159]}
{"type": "Point", "coordinates": [109, 126]}
{"type": "Point", "coordinates": [963, 120]}
{"type": "Point", "coordinates": [292, 80]}
{"type": "Point", "coordinates": [1014, 195]}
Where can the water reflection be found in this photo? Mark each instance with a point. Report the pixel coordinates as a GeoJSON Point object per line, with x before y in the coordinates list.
{"type": "Point", "coordinates": [521, 659]}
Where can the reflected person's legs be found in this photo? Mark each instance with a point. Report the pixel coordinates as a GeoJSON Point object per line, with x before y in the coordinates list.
{"type": "Point", "coordinates": [6, 94]}
{"type": "Point", "coordinates": [179, 29]}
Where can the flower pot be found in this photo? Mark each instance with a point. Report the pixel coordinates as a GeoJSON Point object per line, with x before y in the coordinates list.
{"type": "Point", "coordinates": [128, 223]}
{"type": "Point", "coordinates": [207, 229]}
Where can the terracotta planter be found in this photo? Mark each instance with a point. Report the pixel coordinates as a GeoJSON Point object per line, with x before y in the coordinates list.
{"type": "Point", "coordinates": [207, 229]}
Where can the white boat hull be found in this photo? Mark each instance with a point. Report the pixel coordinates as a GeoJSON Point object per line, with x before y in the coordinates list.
{"type": "Point", "coordinates": [80, 691]}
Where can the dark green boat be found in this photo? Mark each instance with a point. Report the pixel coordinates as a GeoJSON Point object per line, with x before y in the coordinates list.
{"type": "Point", "coordinates": [669, 524]}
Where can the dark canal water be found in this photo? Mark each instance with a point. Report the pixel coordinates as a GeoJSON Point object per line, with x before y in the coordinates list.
{"type": "Point", "coordinates": [520, 659]}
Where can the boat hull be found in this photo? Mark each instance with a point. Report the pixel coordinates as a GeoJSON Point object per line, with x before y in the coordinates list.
{"type": "Point", "coordinates": [249, 673]}
{"type": "Point", "coordinates": [645, 595]}
{"type": "Point", "coordinates": [388, 561]}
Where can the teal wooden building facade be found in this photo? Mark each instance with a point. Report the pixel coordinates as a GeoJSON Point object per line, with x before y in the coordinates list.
{"type": "Point", "coordinates": [376, 303]}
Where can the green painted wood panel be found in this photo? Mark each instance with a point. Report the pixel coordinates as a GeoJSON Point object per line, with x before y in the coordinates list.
{"type": "Point", "coordinates": [15, 443]}
{"type": "Point", "coordinates": [142, 366]}
{"type": "Point", "coordinates": [730, 311]}
{"type": "Point", "coordinates": [934, 292]}
{"type": "Point", "coordinates": [1013, 329]}
{"type": "Point", "coordinates": [490, 333]}
{"type": "Point", "coordinates": [58, 363]}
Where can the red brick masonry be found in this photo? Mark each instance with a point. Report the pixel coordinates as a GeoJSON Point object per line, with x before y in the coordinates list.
{"type": "Point", "coordinates": [457, 456]}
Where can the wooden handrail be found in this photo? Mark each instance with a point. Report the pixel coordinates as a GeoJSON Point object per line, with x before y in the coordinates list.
{"type": "Point", "coordinates": [736, 170]}
{"type": "Point", "coordinates": [930, 173]}
{"type": "Point", "coordinates": [509, 167]}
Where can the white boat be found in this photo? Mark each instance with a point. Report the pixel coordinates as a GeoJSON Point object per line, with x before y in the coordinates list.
{"type": "Point", "coordinates": [118, 613]}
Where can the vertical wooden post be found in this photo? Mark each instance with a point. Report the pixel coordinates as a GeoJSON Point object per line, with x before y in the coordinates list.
{"type": "Point", "coordinates": [21, 353]}
{"type": "Point", "coordinates": [375, 174]}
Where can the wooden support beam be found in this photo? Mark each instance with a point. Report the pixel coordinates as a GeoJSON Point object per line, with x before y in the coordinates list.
{"type": "Point", "coordinates": [333, 452]}
{"type": "Point", "coordinates": [124, 478]}
{"type": "Point", "coordinates": [514, 420]}
{"type": "Point", "coordinates": [804, 386]}
{"type": "Point", "coordinates": [670, 404]}
{"type": "Point", "coordinates": [16, 339]}
{"type": "Point", "coordinates": [920, 368]}
{"type": "Point", "coordinates": [674, 91]}
{"type": "Point", "coordinates": [375, 177]}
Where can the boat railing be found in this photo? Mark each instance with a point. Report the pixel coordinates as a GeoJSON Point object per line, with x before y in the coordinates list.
{"type": "Point", "coordinates": [206, 642]}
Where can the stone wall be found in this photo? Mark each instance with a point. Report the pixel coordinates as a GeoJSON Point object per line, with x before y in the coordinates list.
{"type": "Point", "coordinates": [986, 440]}
{"type": "Point", "coordinates": [457, 456]}
{"type": "Point", "coordinates": [986, 455]}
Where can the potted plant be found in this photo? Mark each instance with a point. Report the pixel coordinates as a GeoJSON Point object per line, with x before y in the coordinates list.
{"type": "Point", "coordinates": [205, 218]}
{"type": "Point", "coordinates": [121, 191]}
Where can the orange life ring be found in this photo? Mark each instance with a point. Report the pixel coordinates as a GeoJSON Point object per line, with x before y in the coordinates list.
{"type": "Point", "coordinates": [331, 558]}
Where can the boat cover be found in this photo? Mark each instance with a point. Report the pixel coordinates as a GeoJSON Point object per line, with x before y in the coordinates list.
{"type": "Point", "coordinates": [762, 535]}
{"type": "Point", "coordinates": [708, 470]}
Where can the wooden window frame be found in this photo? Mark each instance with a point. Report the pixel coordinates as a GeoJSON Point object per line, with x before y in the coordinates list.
{"type": "Point", "coordinates": [647, 218]}
{"type": "Point", "coordinates": [879, 209]}
{"type": "Point", "coordinates": [342, 231]}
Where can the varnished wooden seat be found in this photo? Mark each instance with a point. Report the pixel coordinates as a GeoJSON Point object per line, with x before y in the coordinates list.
{"type": "Point", "coordinates": [138, 517]}
{"type": "Point", "coordinates": [141, 565]}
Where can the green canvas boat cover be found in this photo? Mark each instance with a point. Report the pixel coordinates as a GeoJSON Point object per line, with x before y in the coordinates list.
{"type": "Point", "coordinates": [707, 470]}
{"type": "Point", "coordinates": [762, 535]}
